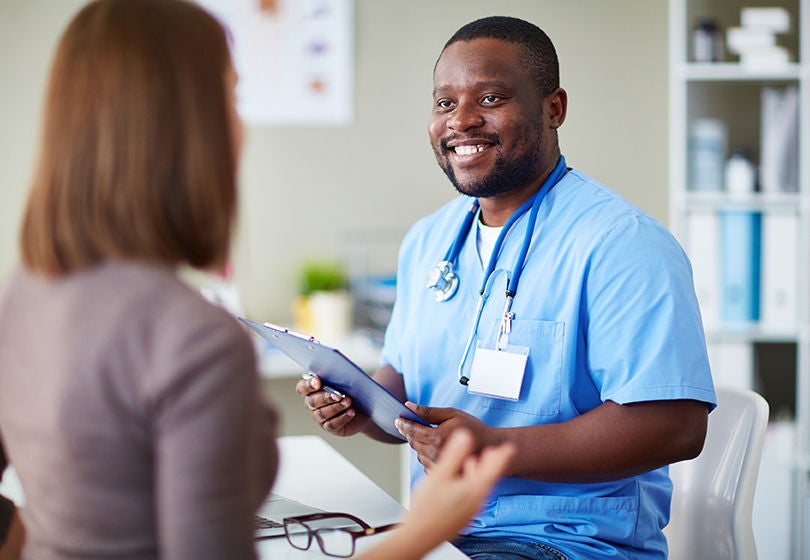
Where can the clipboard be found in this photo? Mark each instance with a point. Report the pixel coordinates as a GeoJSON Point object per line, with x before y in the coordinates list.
{"type": "Point", "coordinates": [339, 373]}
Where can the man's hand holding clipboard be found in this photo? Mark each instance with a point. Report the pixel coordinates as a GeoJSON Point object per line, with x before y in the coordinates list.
{"type": "Point", "coordinates": [330, 370]}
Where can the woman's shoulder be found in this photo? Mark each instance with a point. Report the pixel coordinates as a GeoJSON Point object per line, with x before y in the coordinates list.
{"type": "Point", "coordinates": [144, 310]}
{"type": "Point", "coordinates": [181, 335]}
{"type": "Point", "coordinates": [172, 307]}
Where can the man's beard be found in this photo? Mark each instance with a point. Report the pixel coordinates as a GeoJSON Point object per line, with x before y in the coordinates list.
{"type": "Point", "coordinates": [505, 175]}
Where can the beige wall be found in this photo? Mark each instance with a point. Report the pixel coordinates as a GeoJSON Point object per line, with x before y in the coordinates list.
{"type": "Point", "coordinates": [318, 185]}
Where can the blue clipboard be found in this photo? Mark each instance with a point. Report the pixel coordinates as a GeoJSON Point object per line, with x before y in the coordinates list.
{"type": "Point", "coordinates": [340, 373]}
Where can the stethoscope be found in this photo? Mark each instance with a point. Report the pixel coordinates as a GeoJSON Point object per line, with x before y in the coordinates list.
{"type": "Point", "coordinates": [443, 281]}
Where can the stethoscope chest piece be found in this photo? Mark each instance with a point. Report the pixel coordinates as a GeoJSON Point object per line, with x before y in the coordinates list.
{"type": "Point", "coordinates": [442, 281]}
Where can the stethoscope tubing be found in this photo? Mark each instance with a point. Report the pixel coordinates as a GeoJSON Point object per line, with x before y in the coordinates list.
{"type": "Point", "coordinates": [452, 255]}
{"type": "Point", "coordinates": [534, 203]}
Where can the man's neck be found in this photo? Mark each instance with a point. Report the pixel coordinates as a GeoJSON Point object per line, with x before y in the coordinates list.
{"type": "Point", "coordinates": [496, 210]}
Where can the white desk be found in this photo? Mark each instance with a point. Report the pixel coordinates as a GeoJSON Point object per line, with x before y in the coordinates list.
{"type": "Point", "coordinates": [312, 472]}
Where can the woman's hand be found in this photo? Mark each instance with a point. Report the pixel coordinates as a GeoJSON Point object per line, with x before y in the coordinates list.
{"type": "Point", "coordinates": [446, 499]}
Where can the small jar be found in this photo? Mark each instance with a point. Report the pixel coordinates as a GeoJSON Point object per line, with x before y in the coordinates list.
{"type": "Point", "coordinates": [707, 41]}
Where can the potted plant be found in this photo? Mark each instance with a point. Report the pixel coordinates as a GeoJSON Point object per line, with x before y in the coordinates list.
{"type": "Point", "coordinates": [323, 307]}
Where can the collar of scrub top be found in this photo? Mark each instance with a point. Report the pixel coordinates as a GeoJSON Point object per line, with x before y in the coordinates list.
{"type": "Point", "coordinates": [534, 203]}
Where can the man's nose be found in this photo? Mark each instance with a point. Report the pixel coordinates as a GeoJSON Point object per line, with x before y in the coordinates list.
{"type": "Point", "coordinates": [465, 116]}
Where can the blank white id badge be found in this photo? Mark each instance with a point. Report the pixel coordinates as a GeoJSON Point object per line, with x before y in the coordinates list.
{"type": "Point", "coordinates": [498, 373]}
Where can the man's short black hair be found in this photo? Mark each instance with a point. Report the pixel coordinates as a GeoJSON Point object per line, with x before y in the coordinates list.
{"type": "Point", "coordinates": [539, 55]}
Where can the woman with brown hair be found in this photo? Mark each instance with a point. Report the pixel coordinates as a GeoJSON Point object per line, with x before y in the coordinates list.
{"type": "Point", "coordinates": [128, 405]}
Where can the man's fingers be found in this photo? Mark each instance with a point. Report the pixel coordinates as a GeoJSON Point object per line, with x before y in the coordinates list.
{"type": "Point", "coordinates": [428, 413]}
{"type": "Point", "coordinates": [431, 414]}
{"type": "Point", "coordinates": [405, 428]}
{"type": "Point", "coordinates": [416, 432]}
{"type": "Point", "coordinates": [420, 410]}
{"type": "Point", "coordinates": [321, 399]}
{"type": "Point", "coordinates": [308, 385]}
{"type": "Point", "coordinates": [322, 412]}
{"type": "Point", "coordinates": [302, 387]}
{"type": "Point", "coordinates": [458, 446]}
{"type": "Point", "coordinates": [337, 423]}
{"type": "Point", "coordinates": [423, 440]}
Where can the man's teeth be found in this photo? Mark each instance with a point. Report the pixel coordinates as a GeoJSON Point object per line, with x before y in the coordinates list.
{"type": "Point", "coordinates": [467, 150]}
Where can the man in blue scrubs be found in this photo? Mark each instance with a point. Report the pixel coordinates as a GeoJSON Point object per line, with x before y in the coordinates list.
{"type": "Point", "coordinates": [574, 330]}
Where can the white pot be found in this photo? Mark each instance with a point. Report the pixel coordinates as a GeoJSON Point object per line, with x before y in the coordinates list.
{"type": "Point", "coordinates": [330, 314]}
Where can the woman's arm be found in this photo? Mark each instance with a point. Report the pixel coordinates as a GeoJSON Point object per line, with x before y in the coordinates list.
{"type": "Point", "coordinates": [214, 446]}
{"type": "Point", "coordinates": [446, 499]}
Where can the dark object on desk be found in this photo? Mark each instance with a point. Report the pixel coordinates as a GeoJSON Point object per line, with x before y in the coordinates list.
{"type": "Point", "coordinates": [335, 369]}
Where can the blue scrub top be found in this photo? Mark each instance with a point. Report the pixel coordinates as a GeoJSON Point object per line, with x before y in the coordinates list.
{"type": "Point", "coordinates": [607, 306]}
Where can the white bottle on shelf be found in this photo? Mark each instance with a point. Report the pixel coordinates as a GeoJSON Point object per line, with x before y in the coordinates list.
{"type": "Point", "coordinates": [740, 174]}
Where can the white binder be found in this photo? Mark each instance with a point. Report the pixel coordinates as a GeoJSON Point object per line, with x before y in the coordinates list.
{"type": "Point", "coordinates": [702, 247]}
{"type": "Point", "coordinates": [779, 271]}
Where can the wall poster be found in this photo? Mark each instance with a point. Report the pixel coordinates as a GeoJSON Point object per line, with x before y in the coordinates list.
{"type": "Point", "coordinates": [295, 59]}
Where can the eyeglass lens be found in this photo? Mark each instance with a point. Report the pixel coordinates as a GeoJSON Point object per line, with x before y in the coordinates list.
{"type": "Point", "coordinates": [331, 540]}
{"type": "Point", "coordinates": [335, 542]}
{"type": "Point", "coordinates": [298, 535]}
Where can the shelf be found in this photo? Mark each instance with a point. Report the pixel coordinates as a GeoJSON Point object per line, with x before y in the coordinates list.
{"type": "Point", "coordinates": [734, 72]}
{"type": "Point", "coordinates": [752, 334]}
{"type": "Point", "coordinates": [712, 201]}
{"type": "Point", "coordinates": [771, 254]}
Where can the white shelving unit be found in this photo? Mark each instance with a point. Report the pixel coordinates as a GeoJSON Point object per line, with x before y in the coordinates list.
{"type": "Point", "coordinates": [773, 358]}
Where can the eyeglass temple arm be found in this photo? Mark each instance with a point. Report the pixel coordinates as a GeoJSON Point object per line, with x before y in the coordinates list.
{"type": "Point", "coordinates": [374, 530]}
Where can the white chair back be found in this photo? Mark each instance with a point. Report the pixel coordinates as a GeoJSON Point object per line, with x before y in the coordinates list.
{"type": "Point", "coordinates": [713, 494]}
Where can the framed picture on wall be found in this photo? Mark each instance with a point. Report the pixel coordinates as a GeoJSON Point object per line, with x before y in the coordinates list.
{"type": "Point", "coordinates": [295, 59]}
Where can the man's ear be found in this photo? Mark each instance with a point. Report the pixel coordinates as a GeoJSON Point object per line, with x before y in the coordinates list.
{"type": "Point", "coordinates": [557, 105]}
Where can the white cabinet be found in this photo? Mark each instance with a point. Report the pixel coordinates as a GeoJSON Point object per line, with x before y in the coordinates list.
{"type": "Point", "coordinates": [750, 250]}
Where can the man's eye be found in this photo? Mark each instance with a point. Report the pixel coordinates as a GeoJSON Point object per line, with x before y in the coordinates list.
{"type": "Point", "coordinates": [444, 103]}
{"type": "Point", "coordinates": [489, 99]}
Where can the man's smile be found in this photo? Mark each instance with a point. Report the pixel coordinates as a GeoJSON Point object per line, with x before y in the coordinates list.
{"type": "Point", "coordinates": [467, 150]}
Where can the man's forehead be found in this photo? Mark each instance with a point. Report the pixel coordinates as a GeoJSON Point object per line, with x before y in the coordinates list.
{"type": "Point", "coordinates": [477, 62]}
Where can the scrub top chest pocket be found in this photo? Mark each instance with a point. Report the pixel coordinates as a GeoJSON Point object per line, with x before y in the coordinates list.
{"type": "Point", "coordinates": [541, 391]}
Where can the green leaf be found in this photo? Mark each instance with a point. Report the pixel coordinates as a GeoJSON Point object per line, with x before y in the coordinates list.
{"type": "Point", "coordinates": [323, 276]}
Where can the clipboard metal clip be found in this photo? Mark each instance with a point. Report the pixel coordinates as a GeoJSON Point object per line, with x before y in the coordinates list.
{"type": "Point", "coordinates": [303, 336]}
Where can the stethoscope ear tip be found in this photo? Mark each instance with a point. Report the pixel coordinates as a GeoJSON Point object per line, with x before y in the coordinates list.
{"type": "Point", "coordinates": [463, 379]}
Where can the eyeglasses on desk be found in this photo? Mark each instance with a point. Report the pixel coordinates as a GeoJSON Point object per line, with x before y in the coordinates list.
{"type": "Point", "coordinates": [335, 533]}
